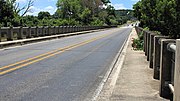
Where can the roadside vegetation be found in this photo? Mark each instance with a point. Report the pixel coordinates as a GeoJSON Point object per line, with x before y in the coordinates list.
{"type": "Point", "coordinates": [138, 44]}
{"type": "Point", "coordinates": [159, 15]}
{"type": "Point", "coordinates": [69, 12]}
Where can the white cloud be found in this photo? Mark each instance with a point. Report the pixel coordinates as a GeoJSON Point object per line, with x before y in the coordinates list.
{"type": "Point", "coordinates": [21, 1]}
{"type": "Point", "coordinates": [135, 0]}
{"type": "Point", "coordinates": [49, 9]}
{"type": "Point", "coordinates": [35, 10]}
{"type": "Point", "coordinates": [51, 0]}
{"type": "Point", "coordinates": [119, 6]}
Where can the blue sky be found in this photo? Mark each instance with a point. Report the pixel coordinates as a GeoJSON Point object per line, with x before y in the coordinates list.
{"type": "Point", "coordinates": [123, 4]}
{"type": "Point", "coordinates": [50, 5]}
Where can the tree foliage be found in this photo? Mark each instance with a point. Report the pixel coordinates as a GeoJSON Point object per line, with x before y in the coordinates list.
{"type": "Point", "coordinates": [44, 15]}
{"type": "Point", "coordinates": [86, 11]}
{"type": "Point", "coordinates": [10, 12]}
{"type": "Point", "coordinates": [6, 13]}
{"type": "Point", "coordinates": [159, 15]}
{"type": "Point", "coordinates": [69, 12]}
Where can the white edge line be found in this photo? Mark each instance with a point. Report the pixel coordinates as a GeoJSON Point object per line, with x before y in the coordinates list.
{"type": "Point", "coordinates": [100, 87]}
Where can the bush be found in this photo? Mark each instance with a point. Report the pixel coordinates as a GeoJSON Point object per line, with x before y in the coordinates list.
{"type": "Point", "coordinates": [97, 22]}
{"type": "Point", "coordinates": [138, 43]}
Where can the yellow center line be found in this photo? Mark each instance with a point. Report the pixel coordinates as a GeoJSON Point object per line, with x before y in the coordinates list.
{"type": "Point", "coordinates": [38, 58]}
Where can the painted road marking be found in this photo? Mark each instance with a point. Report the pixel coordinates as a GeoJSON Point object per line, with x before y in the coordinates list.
{"type": "Point", "coordinates": [23, 63]}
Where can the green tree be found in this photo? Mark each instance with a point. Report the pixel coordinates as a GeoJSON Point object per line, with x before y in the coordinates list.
{"type": "Point", "coordinates": [44, 15]}
{"type": "Point", "coordinates": [85, 16]}
{"type": "Point", "coordinates": [68, 8]}
{"type": "Point", "coordinates": [9, 12]}
{"type": "Point", "coordinates": [160, 15]}
{"type": "Point", "coordinates": [6, 13]}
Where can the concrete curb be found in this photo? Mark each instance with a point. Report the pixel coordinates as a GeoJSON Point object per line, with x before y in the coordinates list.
{"type": "Point", "coordinates": [33, 40]}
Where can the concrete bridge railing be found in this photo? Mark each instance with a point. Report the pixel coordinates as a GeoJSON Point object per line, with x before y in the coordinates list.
{"type": "Point", "coordinates": [15, 33]}
{"type": "Point", "coordinates": [163, 55]}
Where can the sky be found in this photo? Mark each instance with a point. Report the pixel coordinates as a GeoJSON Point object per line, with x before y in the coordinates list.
{"type": "Point", "coordinates": [50, 5]}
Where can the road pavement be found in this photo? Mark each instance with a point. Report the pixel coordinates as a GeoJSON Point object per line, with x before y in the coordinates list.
{"type": "Point", "coordinates": [65, 69]}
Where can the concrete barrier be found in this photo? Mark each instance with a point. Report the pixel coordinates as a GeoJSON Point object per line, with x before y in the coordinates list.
{"type": "Point", "coordinates": [151, 50]}
{"type": "Point", "coordinates": [177, 73]}
{"type": "Point", "coordinates": [165, 69]}
{"type": "Point", "coordinates": [164, 58]}
{"type": "Point", "coordinates": [10, 34]}
{"type": "Point", "coordinates": [33, 32]}
{"type": "Point", "coordinates": [19, 33]}
{"type": "Point", "coordinates": [25, 32]}
{"type": "Point", "coordinates": [145, 42]}
{"type": "Point", "coordinates": [4, 33]}
{"type": "Point", "coordinates": [156, 57]}
{"type": "Point", "coordinates": [148, 44]}
{"type": "Point", "coordinates": [0, 35]}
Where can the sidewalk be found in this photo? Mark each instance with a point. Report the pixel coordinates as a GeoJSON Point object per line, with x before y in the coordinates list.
{"type": "Point", "coordinates": [135, 81]}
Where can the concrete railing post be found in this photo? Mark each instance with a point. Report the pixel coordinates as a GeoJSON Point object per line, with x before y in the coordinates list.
{"type": "Point", "coordinates": [54, 30]}
{"type": "Point", "coordinates": [29, 32]}
{"type": "Point", "coordinates": [72, 28]}
{"type": "Point", "coordinates": [37, 30]}
{"type": "Point", "coordinates": [61, 29]}
{"type": "Point", "coordinates": [76, 28]}
{"type": "Point", "coordinates": [151, 50]}
{"type": "Point", "coordinates": [33, 31]}
{"type": "Point", "coordinates": [144, 38]}
{"type": "Point", "coordinates": [156, 57]}
{"type": "Point", "coordinates": [80, 28]}
{"type": "Point", "coordinates": [165, 69]}
{"type": "Point", "coordinates": [24, 32]}
{"type": "Point", "coordinates": [145, 42]}
{"type": "Point", "coordinates": [57, 29]}
{"type": "Point", "coordinates": [49, 30]}
{"type": "Point", "coordinates": [64, 29]}
{"type": "Point", "coordinates": [10, 34]}
{"type": "Point", "coordinates": [148, 44]}
{"type": "Point", "coordinates": [20, 33]}
{"type": "Point", "coordinates": [0, 35]}
{"type": "Point", "coordinates": [67, 29]}
{"type": "Point", "coordinates": [83, 28]}
{"type": "Point", "coordinates": [177, 72]}
{"type": "Point", "coordinates": [43, 31]}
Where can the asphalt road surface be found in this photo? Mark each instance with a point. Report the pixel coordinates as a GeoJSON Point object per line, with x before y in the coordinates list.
{"type": "Point", "coordinates": [65, 69]}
